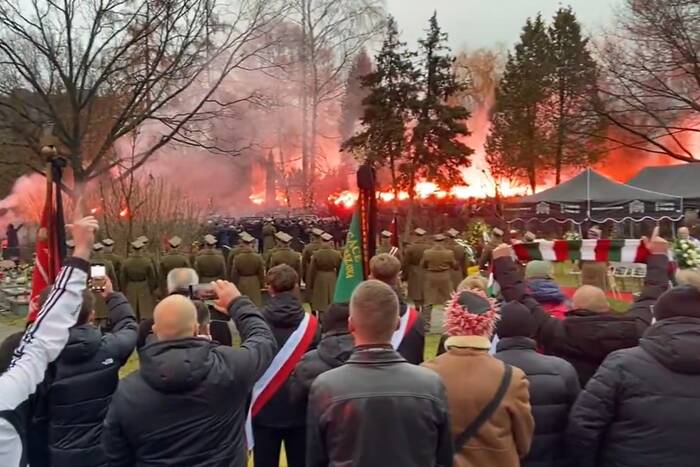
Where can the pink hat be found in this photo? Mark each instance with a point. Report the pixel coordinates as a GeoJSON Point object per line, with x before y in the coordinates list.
{"type": "Point", "coordinates": [470, 314]}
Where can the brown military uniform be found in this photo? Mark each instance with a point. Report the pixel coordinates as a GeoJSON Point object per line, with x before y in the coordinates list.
{"type": "Point", "coordinates": [387, 248]}
{"type": "Point", "coordinates": [485, 258]}
{"type": "Point", "coordinates": [268, 232]}
{"type": "Point", "coordinates": [322, 276]}
{"type": "Point", "coordinates": [210, 265]}
{"type": "Point", "coordinates": [413, 272]}
{"type": "Point", "coordinates": [248, 273]}
{"type": "Point", "coordinates": [285, 255]}
{"type": "Point", "coordinates": [438, 263]}
{"type": "Point", "coordinates": [139, 284]}
{"type": "Point", "coordinates": [308, 252]}
{"type": "Point", "coordinates": [117, 262]}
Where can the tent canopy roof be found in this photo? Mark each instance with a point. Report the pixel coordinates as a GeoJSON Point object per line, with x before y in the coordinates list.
{"type": "Point", "coordinates": [679, 180]}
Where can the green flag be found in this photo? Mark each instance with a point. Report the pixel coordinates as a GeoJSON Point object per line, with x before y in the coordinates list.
{"type": "Point", "coordinates": [351, 270]}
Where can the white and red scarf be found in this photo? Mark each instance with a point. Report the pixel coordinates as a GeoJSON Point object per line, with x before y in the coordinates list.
{"type": "Point", "coordinates": [406, 323]}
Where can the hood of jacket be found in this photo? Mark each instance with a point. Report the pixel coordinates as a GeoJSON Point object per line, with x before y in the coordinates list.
{"type": "Point", "coordinates": [545, 291]}
{"type": "Point", "coordinates": [675, 343]}
{"type": "Point", "coordinates": [83, 342]}
{"type": "Point", "coordinates": [175, 366]}
{"type": "Point", "coordinates": [595, 335]}
{"type": "Point", "coordinates": [335, 348]}
{"type": "Point", "coordinates": [283, 311]}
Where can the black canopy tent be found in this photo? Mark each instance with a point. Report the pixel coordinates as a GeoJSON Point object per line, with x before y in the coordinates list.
{"type": "Point", "coordinates": [678, 180]}
{"type": "Point", "coordinates": [591, 197]}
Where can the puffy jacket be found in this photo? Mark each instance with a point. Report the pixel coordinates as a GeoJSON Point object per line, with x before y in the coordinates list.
{"type": "Point", "coordinates": [187, 404]}
{"type": "Point", "coordinates": [584, 338]}
{"type": "Point", "coordinates": [84, 378]}
{"type": "Point", "coordinates": [377, 410]}
{"type": "Point", "coordinates": [549, 295]}
{"type": "Point", "coordinates": [642, 407]}
{"type": "Point", "coordinates": [283, 314]}
{"type": "Point", "coordinates": [333, 351]}
{"type": "Point", "coordinates": [553, 389]}
{"type": "Point", "coordinates": [412, 346]}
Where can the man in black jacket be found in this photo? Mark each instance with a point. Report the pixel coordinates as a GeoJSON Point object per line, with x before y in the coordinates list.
{"type": "Point", "coordinates": [553, 387]}
{"type": "Point", "coordinates": [377, 409]}
{"type": "Point", "coordinates": [187, 404]}
{"type": "Point", "coordinates": [410, 337]}
{"type": "Point", "coordinates": [281, 419]}
{"type": "Point", "coordinates": [84, 378]}
{"type": "Point", "coordinates": [642, 407]}
{"type": "Point", "coordinates": [590, 331]}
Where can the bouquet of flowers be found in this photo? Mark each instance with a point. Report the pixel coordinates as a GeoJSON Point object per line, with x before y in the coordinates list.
{"type": "Point", "coordinates": [687, 256]}
{"type": "Point", "coordinates": [572, 235]}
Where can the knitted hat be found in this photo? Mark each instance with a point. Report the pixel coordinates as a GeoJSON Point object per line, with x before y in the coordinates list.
{"type": "Point", "coordinates": [538, 270]}
{"type": "Point", "coordinates": [516, 321]}
{"type": "Point", "coordinates": [679, 301]}
{"type": "Point", "coordinates": [470, 314]}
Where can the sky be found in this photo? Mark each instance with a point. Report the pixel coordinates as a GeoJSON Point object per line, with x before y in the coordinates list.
{"type": "Point", "coordinates": [471, 24]}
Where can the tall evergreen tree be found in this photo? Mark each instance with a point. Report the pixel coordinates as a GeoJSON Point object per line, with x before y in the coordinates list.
{"type": "Point", "coordinates": [388, 106]}
{"type": "Point", "coordinates": [519, 138]}
{"type": "Point", "coordinates": [351, 107]}
{"type": "Point", "coordinates": [573, 96]}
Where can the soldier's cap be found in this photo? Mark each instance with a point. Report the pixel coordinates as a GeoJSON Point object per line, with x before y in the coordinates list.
{"type": "Point", "coordinates": [209, 239]}
{"type": "Point", "coordinates": [108, 242]}
{"type": "Point", "coordinates": [439, 238]}
{"type": "Point", "coordinates": [452, 233]}
{"type": "Point", "coordinates": [387, 234]}
{"type": "Point", "coordinates": [97, 246]}
{"type": "Point", "coordinates": [70, 243]}
{"type": "Point", "coordinates": [143, 239]}
{"type": "Point", "coordinates": [316, 231]}
{"type": "Point", "coordinates": [420, 232]}
{"type": "Point", "coordinates": [246, 238]}
{"type": "Point", "coordinates": [497, 232]}
{"type": "Point", "coordinates": [283, 237]}
{"type": "Point", "coordinates": [529, 236]}
{"type": "Point", "coordinates": [175, 241]}
{"type": "Point", "coordinates": [268, 219]}
{"type": "Point", "coordinates": [137, 244]}
{"type": "Point", "coordinates": [327, 237]}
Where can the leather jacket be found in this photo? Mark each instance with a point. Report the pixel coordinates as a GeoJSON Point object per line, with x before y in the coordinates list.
{"type": "Point", "coordinates": [378, 410]}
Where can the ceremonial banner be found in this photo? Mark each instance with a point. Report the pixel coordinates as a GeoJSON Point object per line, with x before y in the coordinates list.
{"type": "Point", "coordinates": [352, 268]}
{"type": "Point", "coordinates": [624, 251]}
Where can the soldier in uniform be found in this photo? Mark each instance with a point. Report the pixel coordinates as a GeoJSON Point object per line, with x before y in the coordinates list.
{"type": "Point", "coordinates": [310, 249]}
{"type": "Point", "coordinates": [496, 239]}
{"type": "Point", "coordinates": [385, 246]}
{"type": "Point", "coordinates": [248, 271]}
{"type": "Point", "coordinates": [115, 259]}
{"type": "Point", "coordinates": [156, 267]}
{"type": "Point", "coordinates": [322, 274]}
{"type": "Point", "coordinates": [171, 260]}
{"type": "Point", "coordinates": [284, 254]}
{"type": "Point", "coordinates": [268, 234]}
{"type": "Point", "coordinates": [412, 271]}
{"type": "Point", "coordinates": [460, 270]}
{"type": "Point", "coordinates": [210, 263]}
{"type": "Point", "coordinates": [139, 282]}
{"type": "Point", "coordinates": [100, 305]}
{"type": "Point", "coordinates": [437, 263]}
{"type": "Point", "coordinates": [235, 250]}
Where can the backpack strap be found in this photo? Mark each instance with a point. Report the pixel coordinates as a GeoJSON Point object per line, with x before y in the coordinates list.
{"type": "Point", "coordinates": [487, 412]}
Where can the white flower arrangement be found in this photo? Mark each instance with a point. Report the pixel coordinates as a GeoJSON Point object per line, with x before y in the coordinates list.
{"type": "Point", "coordinates": [687, 256]}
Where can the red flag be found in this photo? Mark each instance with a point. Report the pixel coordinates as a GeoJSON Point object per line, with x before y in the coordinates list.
{"type": "Point", "coordinates": [48, 261]}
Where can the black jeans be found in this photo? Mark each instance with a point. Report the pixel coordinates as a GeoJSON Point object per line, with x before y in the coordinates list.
{"type": "Point", "coordinates": [268, 444]}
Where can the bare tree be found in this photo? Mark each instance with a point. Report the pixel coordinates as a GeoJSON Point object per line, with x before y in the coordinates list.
{"type": "Point", "coordinates": [100, 69]}
{"type": "Point", "coordinates": [651, 64]}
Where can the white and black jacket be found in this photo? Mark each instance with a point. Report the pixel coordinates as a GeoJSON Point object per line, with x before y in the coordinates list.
{"type": "Point", "coordinates": [42, 342]}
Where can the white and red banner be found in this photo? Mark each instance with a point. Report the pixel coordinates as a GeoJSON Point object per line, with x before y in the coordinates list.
{"type": "Point", "coordinates": [406, 323]}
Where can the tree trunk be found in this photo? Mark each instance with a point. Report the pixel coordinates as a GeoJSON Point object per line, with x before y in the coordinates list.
{"type": "Point", "coordinates": [304, 107]}
{"type": "Point", "coordinates": [411, 205]}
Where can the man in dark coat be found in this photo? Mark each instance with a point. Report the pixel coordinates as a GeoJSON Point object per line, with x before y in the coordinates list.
{"type": "Point", "coordinates": [187, 403]}
{"type": "Point", "coordinates": [84, 378]}
{"type": "Point", "coordinates": [12, 236]}
{"type": "Point", "coordinates": [553, 386]}
{"type": "Point", "coordinates": [590, 331]}
{"type": "Point", "coordinates": [377, 410]}
{"type": "Point", "coordinates": [642, 407]}
{"type": "Point", "coordinates": [280, 419]}
{"type": "Point", "coordinates": [387, 268]}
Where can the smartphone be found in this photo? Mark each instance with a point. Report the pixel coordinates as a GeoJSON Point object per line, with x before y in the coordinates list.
{"type": "Point", "coordinates": [204, 292]}
{"type": "Point", "coordinates": [98, 275]}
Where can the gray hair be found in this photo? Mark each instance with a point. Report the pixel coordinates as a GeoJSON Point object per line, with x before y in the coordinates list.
{"type": "Point", "coordinates": [181, 279]}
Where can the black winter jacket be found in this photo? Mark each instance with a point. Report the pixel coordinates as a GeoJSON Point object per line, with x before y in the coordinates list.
{"type": "Point", "coordinates": [333, 351]}
{"type": "Point", "coordinates": [553, 389]}
{"type": "Point", "coordinates": [187, 404]}
{"type": "Point", "coordinates": [584, 338]}
{"type": "Point", "coordinates": [642, 407]}
{"type": "Point", "coordinates": [413, 345]}
{"type": "Point", "coordinates": [283, 314]}
{"type": "Point", "coordinates": [84, 378]}
{"type": "Point", "coordinates": [378, 410]}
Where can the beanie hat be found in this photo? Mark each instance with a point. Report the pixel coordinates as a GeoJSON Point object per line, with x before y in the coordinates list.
{"type": "Point", "coordinates": [538, 270]}
{"type": "Point", "coordinates": [516, 321]}
{"type": "Point", "coordinates": [470, 314]}
{"type": "Point", "coordinates": [678, 301]}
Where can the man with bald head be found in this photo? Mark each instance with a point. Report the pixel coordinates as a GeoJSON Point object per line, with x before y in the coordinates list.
{"type": "Point", "coordinates": [590, 331]}
{"type": "Point", "coordinates": [684, 234]}
{"type": "Point", "coordinates": [377, 409]}
{"type": "Point", "coordinates": [187, 403]}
